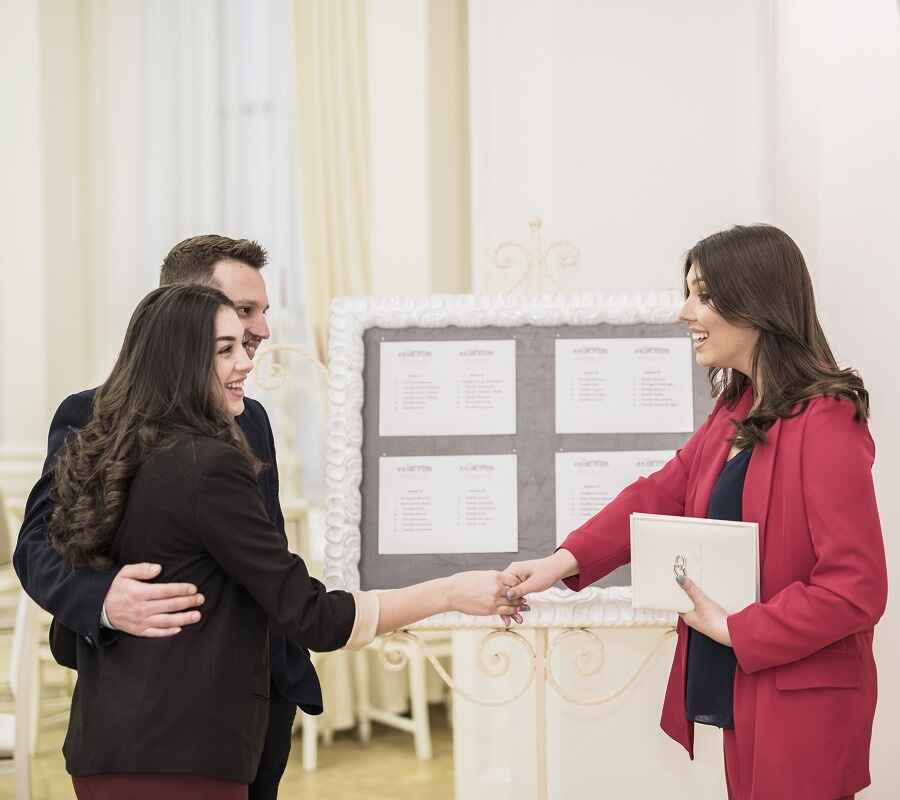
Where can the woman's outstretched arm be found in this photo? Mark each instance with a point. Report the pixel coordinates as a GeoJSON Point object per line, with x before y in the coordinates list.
{"type": "Point", "coordinates": [480, 593]}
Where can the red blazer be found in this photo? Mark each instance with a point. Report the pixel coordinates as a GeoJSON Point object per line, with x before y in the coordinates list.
{"type": "Point", "coordinates": [805, 686]}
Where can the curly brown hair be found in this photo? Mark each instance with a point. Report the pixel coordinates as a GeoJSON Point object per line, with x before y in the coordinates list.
{"type": "Point", "coordinates": [161, 389]}
{"type": "Point", "coordinates": [756, 275]}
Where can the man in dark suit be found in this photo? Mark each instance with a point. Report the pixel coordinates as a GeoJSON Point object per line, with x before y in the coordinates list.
{"type": "Point", "coordinates": [100, 606]}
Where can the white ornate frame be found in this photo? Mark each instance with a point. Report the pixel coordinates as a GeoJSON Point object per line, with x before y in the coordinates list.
{"type": "Point", "coordinates": [351, 317]}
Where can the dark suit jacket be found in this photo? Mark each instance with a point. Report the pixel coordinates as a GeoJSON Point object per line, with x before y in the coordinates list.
{"type": "Point", "coordinates": [198, 702]}
{"type": "Point", "coordinates": [75, 597]}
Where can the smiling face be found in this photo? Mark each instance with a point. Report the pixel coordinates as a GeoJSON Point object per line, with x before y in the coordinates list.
{"type": "Point", "coordinates": [232, 362]}
{"type": "Point", "coordinates": [717, 342]}
{"type": "Point", "coordinates": [245, 287]}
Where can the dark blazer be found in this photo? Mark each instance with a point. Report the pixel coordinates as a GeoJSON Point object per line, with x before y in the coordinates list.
{"type": "Point", "coordinates": [198, 702]}
{"type": "Point", "coordinates": [75, 597]}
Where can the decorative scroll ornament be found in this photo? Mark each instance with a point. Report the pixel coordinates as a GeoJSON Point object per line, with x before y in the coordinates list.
{"type": "Point", "coordinates": [270, 371]}
{"type": "Point", "coordinates": [533, 259]}
{"type": "Point", "coordinates": [492, 661]}
{"type": "Point", "coordinates": [589, 663]}
{"type": "Point", "coordinates": [495, 664]}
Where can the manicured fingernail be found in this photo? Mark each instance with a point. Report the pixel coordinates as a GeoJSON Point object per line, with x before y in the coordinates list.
{"type": "Point", "coordinates": [679, 579]}
{"type": "Point", "coordinates": [510, 595]}
{"type": "Point", "coordinates": [524, 608]}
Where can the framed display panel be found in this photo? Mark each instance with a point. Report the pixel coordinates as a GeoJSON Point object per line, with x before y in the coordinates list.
{"type": "Point", "coordinates": [359, 326]}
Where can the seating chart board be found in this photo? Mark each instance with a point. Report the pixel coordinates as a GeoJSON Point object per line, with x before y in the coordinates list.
{"type": "Point", "coordinates": [486, 444]}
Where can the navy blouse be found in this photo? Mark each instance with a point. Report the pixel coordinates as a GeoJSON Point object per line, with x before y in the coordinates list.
{"type": "Point", "coordinates": [709, 695]}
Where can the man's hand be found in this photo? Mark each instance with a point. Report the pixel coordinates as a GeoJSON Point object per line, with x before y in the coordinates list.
{"type": "Point", "coordinates": [150, 609]}
{"type": "Point", "coordinates": [708, 617]}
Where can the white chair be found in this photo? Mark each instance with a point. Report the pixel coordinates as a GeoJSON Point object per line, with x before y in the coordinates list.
{"type": "Point", "coordinates": [296, 527]}
{"type": "Point", "coordinates": [15, 729]}
{"type": "Point", "coordinates": [10, 588]}
{"type": "Point", "coordinates": [315, 726]}
{"type": "Point", "coordinates": [11, 513]}
{"type": "Point", "coordinates": [417, 722]}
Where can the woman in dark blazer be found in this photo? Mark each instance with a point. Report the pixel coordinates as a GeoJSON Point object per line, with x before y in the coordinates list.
{"type": "Point", "coordinates": [162, 474]}
{"type": "Point", "coordinates": [791, 678]}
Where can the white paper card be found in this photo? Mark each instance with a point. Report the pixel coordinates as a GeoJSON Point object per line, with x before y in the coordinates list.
{"type": "Point", "coordinates": [720, 556]}
{"type": "Point", "coordinates": [463, 388]}
{"type": "Point", "coordinates": [585, 482]}
{"type": "Point", "coordinates": [624, 386]}
{"type": "Point", "coordinates": [447, 504]}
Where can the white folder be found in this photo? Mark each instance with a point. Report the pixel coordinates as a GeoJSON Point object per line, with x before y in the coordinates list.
{"type": "Point", "coordinates": [720, 556]}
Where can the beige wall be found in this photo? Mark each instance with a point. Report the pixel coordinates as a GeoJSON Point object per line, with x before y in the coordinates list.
{"type": "Point", "coordinates": [614, 125]}
{"type": "Point", "coordinates": [838, 169]}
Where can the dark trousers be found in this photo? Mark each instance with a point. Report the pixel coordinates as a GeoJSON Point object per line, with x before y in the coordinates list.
{"type": "Point", "coordinates": [276, 749]}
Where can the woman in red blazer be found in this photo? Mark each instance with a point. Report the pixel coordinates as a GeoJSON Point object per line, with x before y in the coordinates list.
{"type": "Point", "coordinates": [804, 686]}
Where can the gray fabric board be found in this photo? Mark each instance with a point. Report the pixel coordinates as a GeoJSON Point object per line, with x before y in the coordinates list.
{"type": "Point", "coordinates": [535, 444]}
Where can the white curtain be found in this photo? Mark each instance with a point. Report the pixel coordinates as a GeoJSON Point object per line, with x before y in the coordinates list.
{"type": "Point", "coordinates": [191, 128]}
{"type": "Point", "coordinates": [334, 148]}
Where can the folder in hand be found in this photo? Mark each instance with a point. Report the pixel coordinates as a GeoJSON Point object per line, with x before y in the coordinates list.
{"type": "Point", "coordinates": [720, 556]}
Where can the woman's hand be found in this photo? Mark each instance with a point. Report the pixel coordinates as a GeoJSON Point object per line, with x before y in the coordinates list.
{"type": "Point", "coordinates": [483, 592]}
{"type": "Point", "coordinates": [539, 573]}
{"type": "Point", "coordinates": [708, 617]}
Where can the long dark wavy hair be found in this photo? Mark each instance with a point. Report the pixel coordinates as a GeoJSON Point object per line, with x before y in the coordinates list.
{"type": "Point", "coordinates": [755, 275]}
{"type": "Point", "coordinates": [162, 388]}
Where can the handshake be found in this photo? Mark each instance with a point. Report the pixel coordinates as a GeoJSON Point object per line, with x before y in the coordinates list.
{"type": "Point", "coordinates": [488, 592]}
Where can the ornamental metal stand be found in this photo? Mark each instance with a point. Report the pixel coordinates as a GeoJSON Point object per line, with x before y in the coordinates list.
{"type": "Point", "coordinates": [495, 664]}
{"type": "Point", "coordinates": [533, 259]}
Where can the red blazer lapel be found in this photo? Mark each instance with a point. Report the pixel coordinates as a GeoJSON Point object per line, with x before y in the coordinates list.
{"type": "Point", "coordinates": [758, 483]}
{"type": "Point", "coordinates": [715, 452]}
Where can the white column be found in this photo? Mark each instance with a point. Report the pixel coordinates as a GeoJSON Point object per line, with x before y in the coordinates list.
{"type": "Point", "coordinates": [119, 274]}
{"type": "Point", "coordinates": [447, 128]}
{"type": "Point", "coordinates": [69, 331]}
{"type": "Point", "coordinates": [397, 36]}
{"type": "Point", "coordinates": [419, 146]}
{"type": "Point", "coordinates": [23, 337]}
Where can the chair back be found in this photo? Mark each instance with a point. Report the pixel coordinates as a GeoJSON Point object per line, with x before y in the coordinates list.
{"type": "Point", "coordinates": [22, 677]}
{"type": "Point", "coordinates": [5, 531]}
